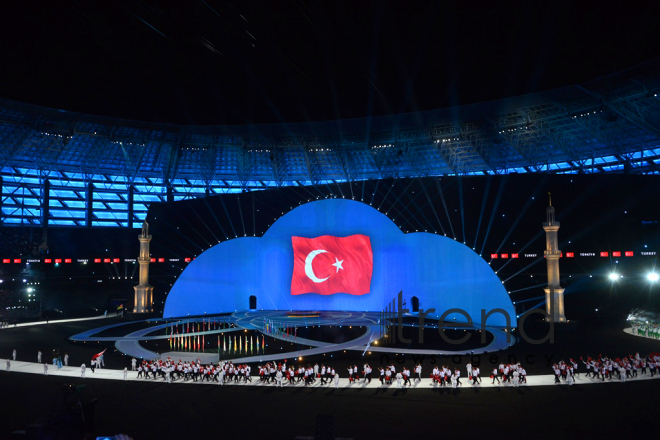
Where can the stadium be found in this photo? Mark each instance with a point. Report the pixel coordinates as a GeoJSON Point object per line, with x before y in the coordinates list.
{"type": "Point", "coordinates": [422, 237]}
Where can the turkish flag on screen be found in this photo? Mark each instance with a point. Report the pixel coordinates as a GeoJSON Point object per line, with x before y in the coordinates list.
{"type": "Point", "coordinates": [327, 265]}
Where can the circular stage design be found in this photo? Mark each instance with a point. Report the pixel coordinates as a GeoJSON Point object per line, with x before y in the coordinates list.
{"type": "Point", "coordinates": [270, 323]}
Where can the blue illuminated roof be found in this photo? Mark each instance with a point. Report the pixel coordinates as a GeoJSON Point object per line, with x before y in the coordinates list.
{"type": "Point", "coordinates": [611, 125]}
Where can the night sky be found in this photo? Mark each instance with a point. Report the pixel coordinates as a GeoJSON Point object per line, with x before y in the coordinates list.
{"type": "Point", "coordinates": [231, 62]}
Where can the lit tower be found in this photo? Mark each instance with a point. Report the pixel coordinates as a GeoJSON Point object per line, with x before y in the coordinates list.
{"type": "Point", "coordinates": [554, 293]}
{"type": "Point", "coordinates": [144, 293]}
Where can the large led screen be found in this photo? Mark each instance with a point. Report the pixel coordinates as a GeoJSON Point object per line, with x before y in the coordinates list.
{"type": "Point", "coordinates": [339, 254]}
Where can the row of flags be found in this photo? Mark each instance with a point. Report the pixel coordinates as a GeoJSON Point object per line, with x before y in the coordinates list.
{"type": "Point", "coordinates": [181, 337]}
{"type": "Point", "coordinates": [207, 324]}
{"type": "Point", "coordinates": [243, 345]}
{"type": "Point", "coordinates": [187, 343]}
{"type": "Point", "coordinates": [279, 329]}
{"type": "Point", "coordinates": [231, 344]}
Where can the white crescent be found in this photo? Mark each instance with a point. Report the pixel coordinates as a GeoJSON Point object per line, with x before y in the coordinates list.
{"type": "Point", "coordinates": [308, 266]}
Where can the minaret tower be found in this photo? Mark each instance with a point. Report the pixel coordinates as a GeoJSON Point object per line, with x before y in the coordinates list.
{"type": "Point", "coordinates": [144, 293]}
{"type": "Point", "coordinates": [554, 293]}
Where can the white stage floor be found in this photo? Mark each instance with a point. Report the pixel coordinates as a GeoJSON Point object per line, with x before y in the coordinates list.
{"type": "Point", "coordinates": [56, 321]}
{"type": "Point", "coordinates": [108, 374]}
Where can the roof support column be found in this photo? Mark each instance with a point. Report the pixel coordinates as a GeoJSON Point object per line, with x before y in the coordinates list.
{"type": "Point", "coordinates": [131, 191]}
{"type": "Point", "coordinates": [89, 204]}
{"type": "Point", "coordinates": [45, 209]}
{"type": "Point", "coordinates": [2, 217]}
{"type": "Point", "coordinates": [169, 192]}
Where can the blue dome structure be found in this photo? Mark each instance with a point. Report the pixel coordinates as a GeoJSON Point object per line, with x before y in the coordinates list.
{"type": "Point", "coordinates": [440, 272]}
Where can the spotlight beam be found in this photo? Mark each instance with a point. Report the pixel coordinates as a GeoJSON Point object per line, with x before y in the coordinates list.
{"type": "Point", "coordinates": [444, 204]}
{"type": "Point", "coordinates": [500, 191]}
{"type": "Point", "coordinates": [521, 250]}
{"type": "Point", "coordinates": [537, 305]}
{"type": "Point", "coordinates": [483, 209]}
{"type": "Point", "coordinates": [165, 236]}
{"type": "Point", "coordinates": [191, 227]}
{"type": "Point", "coordinates": [515, 223]}
{"type": "Point", "coordinates": [528, 288]}
{"type": "Point", "coordinates": [206, 202]}
{"type": "Point", "coordinates": [204, 223]}
{"type": "Point", "coordinates": [460, 204]}
{"type": "Point", "coordinates": [418, 210]}
{"type": "Point", "coordinates": [387, 194]}
{"type": "Point", "coordinates": [339, 187]}
{"type": "Point", "coordinates": [240, 210]}
{"type": "Point", "coordinates": [405, 191]}
{"type": "Point", "coordinates": [435, 213]}
{"type": "Point", "coordinates": [254, 216]}
{"type": "Point", "coordinates": [222, 201]}
{"type": "Point", "coordinates": [529, 299]}
{"type": "Point", "coordinates": [373, 195]}
{"type": "Point", "coordinates": [536, 261]}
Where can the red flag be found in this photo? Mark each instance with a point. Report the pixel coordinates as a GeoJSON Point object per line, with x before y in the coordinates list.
{"type": "Point", "coordinates": [98, 354]}
{"type": "Point", "coordinates": [328, 265]}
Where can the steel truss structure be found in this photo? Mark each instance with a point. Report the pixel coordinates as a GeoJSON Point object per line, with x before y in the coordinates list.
{"type": "Point", "coordinates": [68, 169]}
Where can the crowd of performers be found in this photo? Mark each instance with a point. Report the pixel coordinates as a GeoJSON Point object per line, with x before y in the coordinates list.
{"type": "Point", "coordinates": [280, 374]}
{"type": "Point", "coordinates": [169, 371]}
{"type": "Point", "coordinates": [602, 368]}
{"type": "Point", "coordinates": [649, 330]}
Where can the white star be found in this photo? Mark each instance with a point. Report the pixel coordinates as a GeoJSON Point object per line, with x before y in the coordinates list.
{"type": "Point", "coordinates": [337, 264]}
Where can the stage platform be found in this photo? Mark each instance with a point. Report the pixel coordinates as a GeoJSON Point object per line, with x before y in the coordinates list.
{"type": "Point", "coordinates": [254, 320]}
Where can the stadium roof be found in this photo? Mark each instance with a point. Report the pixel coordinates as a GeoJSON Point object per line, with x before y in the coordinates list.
{"type": "Point", "coordinates": [84, 170]}
{"type": "Point", "coordinates": [601, 126]}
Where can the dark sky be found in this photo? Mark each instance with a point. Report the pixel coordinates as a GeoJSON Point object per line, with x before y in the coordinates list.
{"type": "Point", "coordinates": [233, 62]}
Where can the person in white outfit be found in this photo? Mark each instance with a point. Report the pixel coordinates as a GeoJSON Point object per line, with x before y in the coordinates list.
{"type": "Point", "coordinates": [278, 378]}
{"type": "Point", "coordinates": [39, 357]}
{"type": "Point", "coordinates": [46, 369]}
{"type": "Point", "coordinates": [336, 380]}
{"type": "Point", "coordinates": [13, 355]}
{"type": "Point", "coordinates": [82, 370]}
{"type": "Point", "coordinates": [418, 372]}
{"type": "Point", "coordinates": [133, 363]}
{"type": "Point", "coordinates": [66, 360]}
{"type": "Point", "coordinates": [125, 373]}
{"type": "Point", "coordinates": [398, 379]}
